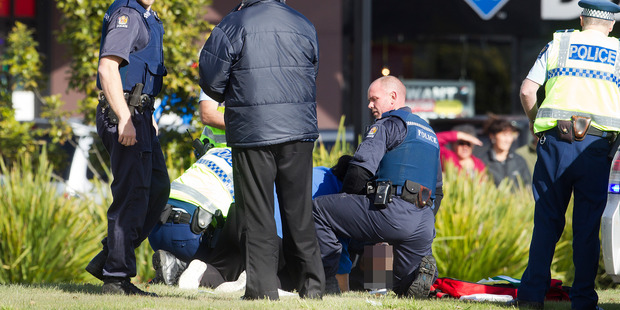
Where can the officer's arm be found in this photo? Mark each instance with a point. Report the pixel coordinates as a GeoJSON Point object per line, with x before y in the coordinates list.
{"type": "Point", "coordinates": [355, 180]}
{"type": "Point", "coordinates": [112, 87]}
{"type": "Point", "coordinates": [528, 98]}
{"type": "Point", "coordinates": [215, 64]}
{"type": "Point", "coordinates": [209, 115]}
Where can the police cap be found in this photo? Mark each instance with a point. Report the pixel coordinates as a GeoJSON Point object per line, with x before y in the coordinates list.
{"type": "Point", "coordinates": [602, 9]}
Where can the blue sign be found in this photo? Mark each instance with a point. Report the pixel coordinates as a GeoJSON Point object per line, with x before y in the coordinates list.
{"type": "Point", "coordinates": [486, 8]}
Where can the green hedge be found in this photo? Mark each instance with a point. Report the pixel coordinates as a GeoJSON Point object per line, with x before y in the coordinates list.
{"type": "Point", "coordinates": [482, 230]}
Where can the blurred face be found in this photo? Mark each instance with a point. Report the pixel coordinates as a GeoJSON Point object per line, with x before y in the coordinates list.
{"type": "Point", "coordinates": [503, 140]}
{"type": "Point", "coordinates": [146, 3]}
{"type": "Point", "coordinates": [463, 149]}
{"type": "Point", "coordinates": [380, 100]}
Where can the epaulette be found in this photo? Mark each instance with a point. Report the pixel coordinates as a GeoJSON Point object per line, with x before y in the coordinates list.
{"type": "Point", "coordinates": [565, 30]}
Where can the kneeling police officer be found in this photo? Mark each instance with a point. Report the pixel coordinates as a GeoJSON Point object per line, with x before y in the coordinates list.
{"type": "Point", "coordinates": [400, 157]}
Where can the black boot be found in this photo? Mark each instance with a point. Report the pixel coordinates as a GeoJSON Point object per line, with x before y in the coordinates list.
{"type": "Point", "coordinates": [122, 286]}
{"type": "Point", "coordinates": [421, 286]}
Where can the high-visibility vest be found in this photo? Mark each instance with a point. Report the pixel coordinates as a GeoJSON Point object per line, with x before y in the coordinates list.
{"type": "Point", "coordinates": [583, 76]}
{"type": "Point", "coordinates": [208, 183]}
{"type": "Point", "coordinates": [217, 136]}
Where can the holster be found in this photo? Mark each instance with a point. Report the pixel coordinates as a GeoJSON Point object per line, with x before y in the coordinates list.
{"type": "Point", "coordinates": [382, 190]}
{"type": "Point", "coordinates": [565, 130]}
{"type": "Point", "coordinates": [417, 194]}
{"type": "Point", "coordinates": [200, 221]}
{"type": "Point", "coordinates": [165, 213]}
{"type": "Point", "coordinates": [133, 99]}
{"type": "Point", "coordinates": [580, 126]}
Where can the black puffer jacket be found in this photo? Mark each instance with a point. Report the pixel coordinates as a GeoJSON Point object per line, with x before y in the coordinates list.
{"type": "Point", "coordinates": [262, 60]}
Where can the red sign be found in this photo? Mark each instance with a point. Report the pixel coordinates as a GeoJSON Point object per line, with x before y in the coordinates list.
{"type": "Point", "coordinates": [24, 8]}
{"type": "Point", "coordinates": [5, 8]}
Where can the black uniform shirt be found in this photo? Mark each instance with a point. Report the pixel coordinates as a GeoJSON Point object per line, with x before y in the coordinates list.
{"type": "Point", "coordinates": [126, 33]}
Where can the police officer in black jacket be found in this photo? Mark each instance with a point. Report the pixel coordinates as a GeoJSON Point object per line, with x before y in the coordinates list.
{"type": "Point", "coordinates": [389, 190]}
{"type": "Point", "coordinates": [131, 68]}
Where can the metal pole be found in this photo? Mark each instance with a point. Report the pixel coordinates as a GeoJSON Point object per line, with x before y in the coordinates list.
{"type": "Point", "coordinates": [361, 66]}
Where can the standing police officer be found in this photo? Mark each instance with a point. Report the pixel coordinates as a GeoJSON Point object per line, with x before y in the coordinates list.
{"type": "Point", "coordinates": [400, 154]}
{"type": "Point", "coordinates": [131, 68]}
{"type": "Point", "coordinates": [576, 123]}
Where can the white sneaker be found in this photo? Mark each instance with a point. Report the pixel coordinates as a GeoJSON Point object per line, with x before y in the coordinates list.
{"type": "Point", "coordinates": [233, 286]}
{"type": "Point", "coordinates": [283, 293]}
{"type": "Point", "coordinates": [190, 278]}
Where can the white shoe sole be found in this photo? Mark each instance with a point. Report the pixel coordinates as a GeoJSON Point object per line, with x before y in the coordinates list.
{"type": "Point", "coordinates": [190, 278]}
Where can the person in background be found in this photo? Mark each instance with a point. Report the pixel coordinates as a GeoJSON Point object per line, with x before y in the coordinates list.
{"type": "Point", "coordinates": [457, 148]}
{"type": "Point", "coordinates": [501, 162]}
{"type": "Point", "coordinates": [577, 123]}
{"type": "Point", "coordinates": [262, 60]}
{"type": "Point", "coordinates": [130, 75]}
{"type": "Point", "coordinates": [528, 152]}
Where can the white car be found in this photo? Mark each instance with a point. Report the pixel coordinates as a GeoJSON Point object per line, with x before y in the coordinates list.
{"type": "Point", "coordinates": [610, 223]}
{"type": "Point", "coordinates": [78, 181]}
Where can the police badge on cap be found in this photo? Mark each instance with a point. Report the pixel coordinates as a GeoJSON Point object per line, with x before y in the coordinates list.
{"type": "Point", "coordinates": [602, 9]}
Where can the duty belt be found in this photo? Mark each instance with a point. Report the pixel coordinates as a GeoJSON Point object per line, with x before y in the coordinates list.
{"type": "Point", "coordinates": [395, 190]}
{"type": "Point", "coordinates": [179, 217]}
{"type": "Point", "coordinates": [561, 114]}
{"type": "Point", "coordinates": [145, 102]}
{"type": "Point", "coordinates": [593, 131]}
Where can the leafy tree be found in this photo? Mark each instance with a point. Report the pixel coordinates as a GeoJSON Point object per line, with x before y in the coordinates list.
{"type": "Point", "coordinates": [185, 29]}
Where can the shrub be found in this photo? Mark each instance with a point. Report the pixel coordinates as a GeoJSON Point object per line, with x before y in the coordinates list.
{"type": "Point", "coordinates": [45, 236]}
{"type": "Point", "coordinates": [321, 156]}
{"type": "Point", "coordinates": [482, 230]}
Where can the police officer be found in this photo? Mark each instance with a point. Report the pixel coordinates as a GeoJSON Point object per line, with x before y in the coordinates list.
{"type": "Point", "coordinates": [400, 154]}
{"type": "Point", "coordinates": [202, 192]}
{"type": "Point", "coordinates": [131, 68]}
{"type": "Point", "coordinates": [576, 123]}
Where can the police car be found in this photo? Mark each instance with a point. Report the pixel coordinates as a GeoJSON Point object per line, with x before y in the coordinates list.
{"type": "Point", "coordinates": [610, 223]}
{"type": "Point", "coordinates": [73, 178]}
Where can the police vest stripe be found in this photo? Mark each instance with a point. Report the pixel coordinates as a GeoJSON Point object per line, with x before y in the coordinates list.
{"type": "Point", "coordinates": [228, 182]}
{"type": "Point", "coordinates": [594, 74]}
{"type": "Point", "coordinates": [204, 202]}
{"type": "Point", "coordinates": [560, 114]}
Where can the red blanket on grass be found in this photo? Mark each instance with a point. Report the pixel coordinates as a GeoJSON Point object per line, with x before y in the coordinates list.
{"type": "Point", "coordinates": [444, 287]}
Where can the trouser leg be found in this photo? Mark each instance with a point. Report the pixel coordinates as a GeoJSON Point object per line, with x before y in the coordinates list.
{"type": "Point", "coordinates": [131, 215]}
{"type": "Point", "coordinates": [254, 172]}
{"type": "Point", "coordinates": [590, 191]}
{"type": "Point", "coordinates": [294, 189]}
{"type": "Point", "coordinates": [226, 256]}
{"type": "Point", "coordinates": [552, 191]}
{"type": "Point", "coordinates": [355, 217]}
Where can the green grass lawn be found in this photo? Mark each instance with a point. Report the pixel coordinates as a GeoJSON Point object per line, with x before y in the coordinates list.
{"type": "Point", "coordinates": [88, 296]}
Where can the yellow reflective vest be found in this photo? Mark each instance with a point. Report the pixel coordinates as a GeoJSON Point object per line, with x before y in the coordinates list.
{"type": "Point", "coordinates": [208, 183]}
{"type": "Point", "coordinates": [583, 76]}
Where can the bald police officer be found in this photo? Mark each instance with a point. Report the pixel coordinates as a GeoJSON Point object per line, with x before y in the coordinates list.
{"type": "Point", "coordinates": [576, 123]}
{"type": "Point", "coordinates": [131, 68]}
{"type": "Point", "coordinates": [400, 154]}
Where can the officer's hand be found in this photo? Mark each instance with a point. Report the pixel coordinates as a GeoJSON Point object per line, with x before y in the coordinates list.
{"type": "Point", "coordinates": [126, 132]}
